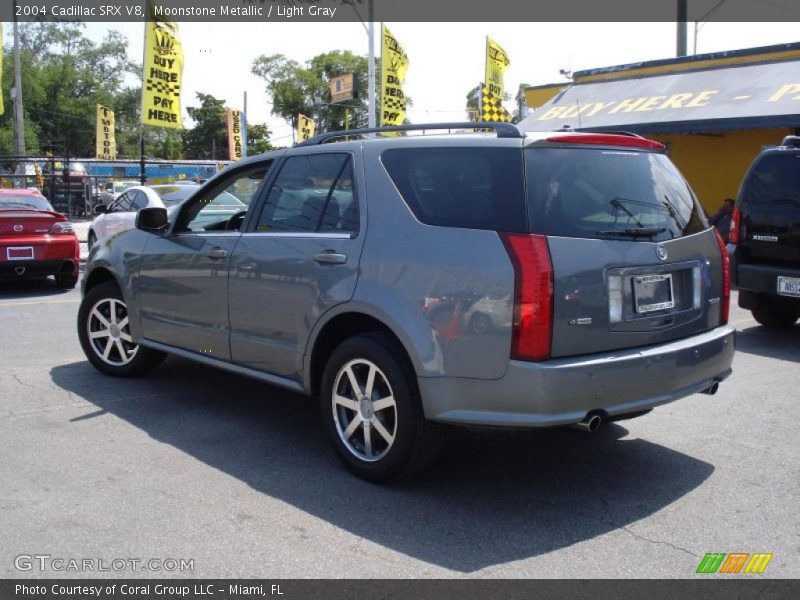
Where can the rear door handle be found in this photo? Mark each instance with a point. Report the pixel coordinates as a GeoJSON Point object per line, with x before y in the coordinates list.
{"type": "Point", "coordinates": [330, 258]}
{"type": "Point", "coordinates": [216, 252]}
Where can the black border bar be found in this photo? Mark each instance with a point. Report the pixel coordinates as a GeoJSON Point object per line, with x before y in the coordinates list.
{"type": "Point", "coordinates": [443, 11]}
{"type": "Point", "coordinates": [701, 588]}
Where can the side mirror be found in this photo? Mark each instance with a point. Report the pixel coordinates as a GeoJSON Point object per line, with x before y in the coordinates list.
{"type": "Point", "coordinates": [100, 209]}
{"type": "Point", "coordinates": [153, 219]}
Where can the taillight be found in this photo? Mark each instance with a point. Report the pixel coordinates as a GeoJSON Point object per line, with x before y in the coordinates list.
{"type": "Point", "coordinates": [533, 295]}
{"type": "Point", "coordinates": [724, 309]}
{"type": "Point", "coordinates": [736, 220]}
{"type": "Point", "coordinates": [61, 227]}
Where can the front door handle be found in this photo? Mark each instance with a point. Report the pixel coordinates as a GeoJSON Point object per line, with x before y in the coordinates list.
{"type": "Point", "coordinates": [330, 258]}
{"type": "Point", "coordinates": [216, 252]}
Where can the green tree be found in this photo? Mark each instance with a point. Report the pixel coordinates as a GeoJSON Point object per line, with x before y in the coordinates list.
{"type": "Point", "coordinates": [296, 88]}
{"type": "Point", "coordinates": [258, 138]}
{"type": "Point", "coordinates": [209, 136]}
{"type": "Point", "coordinates": [64, 75]}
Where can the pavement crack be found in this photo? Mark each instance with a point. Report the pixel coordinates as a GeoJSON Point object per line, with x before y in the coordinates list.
{"type": "Point", "coordinates": [659, 542]}
{"type": "Point", "coordinates": [19, 381]}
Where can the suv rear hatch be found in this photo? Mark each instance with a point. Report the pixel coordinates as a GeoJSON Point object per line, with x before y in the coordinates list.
{"type": "Point", "coordinates": [769, 210]}
{"type": "Point", "coordinates": [634, 261]}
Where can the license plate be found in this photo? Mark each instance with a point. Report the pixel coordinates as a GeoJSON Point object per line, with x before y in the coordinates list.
{"type": "Point", "coordinates": [19, 253]}
{"type": "Point", "coordinates": [789, 286]}
{"type": "Point", "coordinates": [653, 292]}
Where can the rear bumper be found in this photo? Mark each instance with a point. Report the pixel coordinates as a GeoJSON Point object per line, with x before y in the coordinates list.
{"type": "Point", "coordinates": [762, 279]}
{"type": "Point", "coordinates": [563, 391]}
{"type": "Point", "coordinates": [23, 269]}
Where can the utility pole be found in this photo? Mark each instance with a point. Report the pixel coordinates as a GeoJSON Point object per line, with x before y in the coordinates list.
{"type": "Point", "coordinates": [19, 115]}
{"type": "Point", "coordinates": [682, 28]}
{"type": "Point", "coordinates": [371, 65]}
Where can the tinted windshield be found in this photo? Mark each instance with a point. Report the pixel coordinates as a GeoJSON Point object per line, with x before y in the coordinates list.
{"type": "Point", "coordinates": [615, 194]}
{"type": "Point", "coordinates": [34, 202]}
{"type": "Point", "coordinates": [776, 178]}
{"type": "Point", "coordinates": [174, 194]}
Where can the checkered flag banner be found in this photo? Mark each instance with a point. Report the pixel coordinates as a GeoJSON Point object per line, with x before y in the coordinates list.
{"type": "Point", "coordinates": [491, 109]}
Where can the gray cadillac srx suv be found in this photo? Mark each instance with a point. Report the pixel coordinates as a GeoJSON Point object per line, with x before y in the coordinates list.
{"type": "Point", "coordinates": [496, 279]}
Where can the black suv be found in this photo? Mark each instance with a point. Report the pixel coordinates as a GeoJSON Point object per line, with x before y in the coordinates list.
{"type": "Point", "coordinates": [765, 236]}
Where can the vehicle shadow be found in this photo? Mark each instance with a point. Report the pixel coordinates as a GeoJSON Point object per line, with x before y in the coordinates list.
{"type": "Point", "coordinates": [771, 343]}
{"type": "Point", "coordinates": [29, 288]}
{"type": "Point", "coordinates": [495, 497]}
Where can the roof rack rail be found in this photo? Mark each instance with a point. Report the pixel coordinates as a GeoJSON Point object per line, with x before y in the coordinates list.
{"type": "Point", "coordinates": [504, 130]}
{"type": "Point", "coordinates": [791, 140]}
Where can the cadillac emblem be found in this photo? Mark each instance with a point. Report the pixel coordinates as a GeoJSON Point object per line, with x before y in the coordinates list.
{"type": "Point", "coordinates": [661, 252]}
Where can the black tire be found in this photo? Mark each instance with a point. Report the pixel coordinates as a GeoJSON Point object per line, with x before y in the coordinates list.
{"type": "Point", "coordinates": [138, 360]}
{"type": "Point", "coordinates": [776, 313]}
{"type": "Point", "coordinates": [91, 240]}
{"type": "Point", "coordinates": [67, 281]}
{"type": "Point", "coordinates": [415, 442]}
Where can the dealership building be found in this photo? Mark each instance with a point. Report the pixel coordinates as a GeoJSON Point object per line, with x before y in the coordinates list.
{"type": "Point", "coordinates": [714, 112]}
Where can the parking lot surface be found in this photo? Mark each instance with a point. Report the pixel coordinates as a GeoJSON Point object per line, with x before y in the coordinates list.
{"type": "Point", "coordinates": [194, 463]}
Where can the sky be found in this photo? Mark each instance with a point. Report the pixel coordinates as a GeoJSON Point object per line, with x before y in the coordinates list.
{"type": "Point", "coordinates": [446, 59]}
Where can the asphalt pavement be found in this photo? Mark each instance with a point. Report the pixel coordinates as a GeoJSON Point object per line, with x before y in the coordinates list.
{"type": "Point", "coordinates": [237, 476]}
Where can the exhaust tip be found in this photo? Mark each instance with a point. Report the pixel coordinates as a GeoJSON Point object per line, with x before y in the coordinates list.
{"type": "Point", "coordinates": [590, 423]}
{"type": "Point", "coordinates": [712, 389]}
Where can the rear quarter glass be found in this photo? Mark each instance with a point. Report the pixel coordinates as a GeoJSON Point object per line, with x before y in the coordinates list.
{"type": "Point", "coordinates": [581, 192]}
{"type": "Point", "coordinates": [475, 188]}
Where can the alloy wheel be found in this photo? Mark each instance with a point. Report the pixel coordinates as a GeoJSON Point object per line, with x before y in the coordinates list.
{"type": "Point", "coordinates": [364, 410]}
{"type": "Point", "coordinates": [109, 334]}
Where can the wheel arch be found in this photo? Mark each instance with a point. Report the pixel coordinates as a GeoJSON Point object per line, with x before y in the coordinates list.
{"type": "Point", "coordinates": [338, 328]}
{"type": "Point", "coordinates": [97, 276]}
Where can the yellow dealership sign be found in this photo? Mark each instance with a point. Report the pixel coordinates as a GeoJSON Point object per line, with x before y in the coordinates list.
{"type": "Point", "coordinates": [752, 96]}
{"type": "Point", "coordinates": [394, 64]}
{"type": "Point", "coordinates": [306, 128]}
{"type": "Point", "coordinates": [106, 143]}
{"type": "Point", "coordinates": [496, 64]}
{"type": "Point", "coordinates": [235, 137]}
{"type": "Point", "coordinates": [163, 72]}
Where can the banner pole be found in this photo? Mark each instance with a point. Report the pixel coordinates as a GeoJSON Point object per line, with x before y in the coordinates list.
{"type": "Point", "coordinates": [142, 176]}
{"type": "Point", "coordinates": [371, 64]}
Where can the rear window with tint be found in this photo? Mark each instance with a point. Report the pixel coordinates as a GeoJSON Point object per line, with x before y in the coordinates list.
{"type": "Point", "coordinates": [776, 178]}
{"type": "Point", "coordinates": [591, 193]}
{"type": "Point", "coordinates": [476, 188]}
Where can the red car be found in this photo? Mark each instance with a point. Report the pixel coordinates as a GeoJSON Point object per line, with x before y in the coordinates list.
{"type": "Point", "coordinates": [35, 240]}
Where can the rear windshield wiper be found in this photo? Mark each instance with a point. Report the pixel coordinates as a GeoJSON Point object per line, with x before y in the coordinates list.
{"type": "Point", "coordinates": [633, 231]}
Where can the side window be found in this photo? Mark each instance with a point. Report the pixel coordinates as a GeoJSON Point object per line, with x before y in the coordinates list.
{"type": "Point", "coordinates": [214, 209]}
{"type": "Point", "coordinates": [121, 204]}
{"type": "Point", "coordinates": [138, 201]}
{"type": "Point", "coordinates": [477, 188]}
{"type": "Point", "coordinates": [312, 193]}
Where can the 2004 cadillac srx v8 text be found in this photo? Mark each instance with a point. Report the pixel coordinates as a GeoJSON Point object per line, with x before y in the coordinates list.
{"type": "Point", "coordinates": [495, 279]}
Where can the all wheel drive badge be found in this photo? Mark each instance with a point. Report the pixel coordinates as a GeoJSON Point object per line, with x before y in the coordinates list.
{"type": "Point", "coordinates": [17, 228]}
{"type": "Point", "coordinates": [661, 252]}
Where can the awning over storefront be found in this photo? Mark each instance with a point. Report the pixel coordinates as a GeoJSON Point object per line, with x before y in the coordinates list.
{"type": "Point", "coordinates": [739, 97]}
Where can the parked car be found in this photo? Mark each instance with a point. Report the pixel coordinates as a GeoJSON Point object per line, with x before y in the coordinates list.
{"type": "Point", "coordinates": [36, 241]}
{"type": "Point", "coordinates": [121, 213]}
{"type": "Point", "coordinates": [113, 189]}
{"type": "Point", "coordinates": [345, 277]}
{"type": "Point", "coordinates": [765, 236]}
